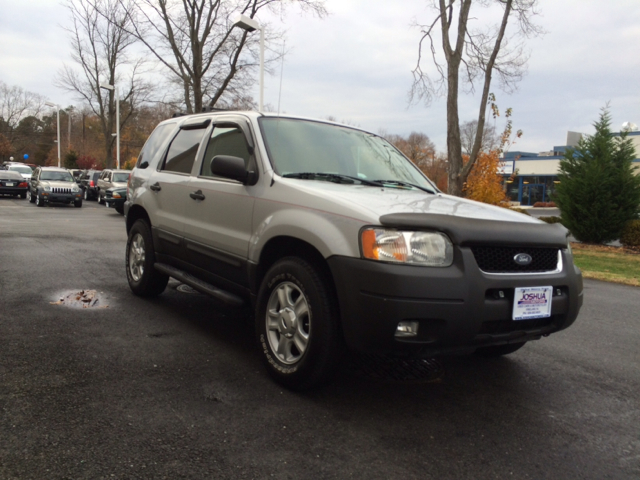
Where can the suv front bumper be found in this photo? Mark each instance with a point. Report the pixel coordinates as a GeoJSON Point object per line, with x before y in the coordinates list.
{"type": "Point", "coordinates": [61, 197]}
{"type": "Point", "coordinates": [458, 308]}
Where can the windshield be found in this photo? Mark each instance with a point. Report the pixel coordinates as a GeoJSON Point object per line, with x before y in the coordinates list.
{"type": "Point", "coordinates": [21, 169]}
{"type": "Point", "coordinates": [121, 177]}
{"type": "Point", "coordinates": [56, 176]}
{"type": "Point", "coordinates": [301, 146]}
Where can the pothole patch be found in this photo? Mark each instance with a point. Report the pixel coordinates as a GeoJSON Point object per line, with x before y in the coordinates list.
{"type": "Point", "coordinates": [396, 369]}
{"type": "Point", "coordinates": [82, 299]}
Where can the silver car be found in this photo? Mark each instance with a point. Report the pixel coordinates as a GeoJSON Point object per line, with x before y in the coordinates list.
{"type": "Point", "coordinates": [338, 242]}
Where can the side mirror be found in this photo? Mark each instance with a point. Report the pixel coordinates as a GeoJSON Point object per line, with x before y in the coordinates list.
{"type": "Point", "coordinates": [229, 167]}
{"type": "Point", "coordinates": [143, 165]}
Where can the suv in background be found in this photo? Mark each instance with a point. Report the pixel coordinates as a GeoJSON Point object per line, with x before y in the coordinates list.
{"type": "Point", "coordinates": [53, 184]}
{"type": "Point", "coordinates": [109, 179]}
{"type": "Point", "coordinates": [88, 181]}
{"type": "Point", "coordinates": [337, 239]}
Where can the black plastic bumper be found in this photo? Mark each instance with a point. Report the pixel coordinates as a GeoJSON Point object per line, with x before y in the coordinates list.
{"type": "Point", "coordinates": [459, 308]}
{"type": "Point", "coordinates": [62, 197]}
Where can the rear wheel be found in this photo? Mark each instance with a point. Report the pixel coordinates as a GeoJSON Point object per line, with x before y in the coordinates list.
{"type": "Point", "coordinates": [297, 324]}
{"type": "Point", "coordinates": [499, 350]}
{"type": "Point", "coordinates": [144, 279]}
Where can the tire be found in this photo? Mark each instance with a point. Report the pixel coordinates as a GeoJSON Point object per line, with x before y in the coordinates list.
{"type": "Point", "coordinates": [31, 197]}
{"type": "Point", "coordinates": [297, 325]}
{"type": "Point", "coordinates": [499, 350]}
{"type": "Point", "coordinates": [144, 279]}
{"type": "Point", "coordinates": [99, 198]}
{"type": "Point", "coordinates": [77, 203]}
{"type": "Point", "coordinates": [39, 200]}
{"type": "Point", "coordinates": [23, 195]}
{"type": "Point", "coordinates": [120, 209]}
{"type": "Point", "coordinates": [86, 194]}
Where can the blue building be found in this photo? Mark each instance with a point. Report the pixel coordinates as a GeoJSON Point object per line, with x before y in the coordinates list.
{"type": "Point", "coordinates": [532, 177]}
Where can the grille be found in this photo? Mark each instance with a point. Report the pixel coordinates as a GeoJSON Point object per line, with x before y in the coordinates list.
{"type": "Point", "coordinates": [500, 259]}
{"type": "Point", "coordinates": [60, 190]}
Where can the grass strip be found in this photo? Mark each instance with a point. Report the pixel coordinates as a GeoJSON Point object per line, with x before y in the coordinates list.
{"type": "Point", "coordinates": [611, 264]}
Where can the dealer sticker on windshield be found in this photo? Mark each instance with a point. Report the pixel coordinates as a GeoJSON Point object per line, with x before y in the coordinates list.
{"type": "Point", "coordinates": [532, 302]}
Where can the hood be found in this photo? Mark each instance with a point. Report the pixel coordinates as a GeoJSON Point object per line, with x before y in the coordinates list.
{"type": "Point", "coordinates": [374, 202]}
{"type": "Point", "coordinates": [56, 184]}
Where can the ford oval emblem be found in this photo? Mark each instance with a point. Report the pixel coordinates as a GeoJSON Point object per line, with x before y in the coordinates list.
{"type": "Point", "coordinates": [523, 259]}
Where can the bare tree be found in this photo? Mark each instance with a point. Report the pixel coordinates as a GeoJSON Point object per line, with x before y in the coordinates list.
{"type": "Point", "coordinates": [15, 105]}
{"type": "Point", "coordinates": [490, 140]}
{"type": "Point", "coordinates": [209, 60]}
{"type": "Point", "coordinates": [99, 41]}
{"type": "Point", "coordinates": [479, 54]}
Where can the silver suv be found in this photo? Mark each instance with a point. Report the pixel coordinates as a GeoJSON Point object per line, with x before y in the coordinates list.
{"type": "Point", "coordinates": [338, 241]}
{"type": "Point", "coordinates": [52, 184]}
{"type": "Point", "coordinates": [110, 179]}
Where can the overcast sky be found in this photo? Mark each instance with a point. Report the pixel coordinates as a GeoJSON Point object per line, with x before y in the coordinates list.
{"type": "Point", "coordinates": [356, 65]}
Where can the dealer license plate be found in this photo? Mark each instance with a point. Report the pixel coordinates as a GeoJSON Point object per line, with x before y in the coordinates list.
{"type": "Point", "coordinates": [532, 302]}
{"type": "Point", "coordinates": [10, 184]}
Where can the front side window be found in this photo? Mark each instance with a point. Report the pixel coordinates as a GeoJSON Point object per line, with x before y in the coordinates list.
{"type": "Point", "coordinates": [225, 140]}
{"type": "Point", "coordinates": [301, 146]}
{"type": "Point", "coordinates": [182, 152]}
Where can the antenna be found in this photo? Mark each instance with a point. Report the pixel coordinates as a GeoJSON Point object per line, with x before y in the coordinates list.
{"type": "Point", "coordinates": [281, 71]}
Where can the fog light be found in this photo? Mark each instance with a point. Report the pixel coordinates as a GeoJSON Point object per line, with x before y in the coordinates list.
{"type": "Point", "coordinates": [407, 329]}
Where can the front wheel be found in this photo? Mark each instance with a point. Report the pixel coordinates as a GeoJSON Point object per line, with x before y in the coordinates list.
{"type": "Point", "coordinates": [499, 350]}
{"type": "Point", "coordinates": [297, 324]}
{"type": "Point", "coordinates": [120, 209]}
{"type": "Point", "coordinates": [30, 196]}
{"type": "Point", "coordinates": [77, 203]}
{"type": "Point", "coordinates": [39, 200]}
{"type": "Point", "coordinates": [144, 279]}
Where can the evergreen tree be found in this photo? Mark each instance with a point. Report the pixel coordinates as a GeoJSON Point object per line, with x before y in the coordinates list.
{"type": "Point", "coordinates": [598, 191]}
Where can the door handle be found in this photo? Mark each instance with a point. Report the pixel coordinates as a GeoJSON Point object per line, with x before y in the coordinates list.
{"type": "Point", "coordinates": [197, 195]}
{"type": "Point", "coordinates": [156, 187]}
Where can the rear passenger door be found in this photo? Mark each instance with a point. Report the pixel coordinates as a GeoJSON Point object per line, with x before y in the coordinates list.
{"type": "Point", "coordinates": [169, 189]}
{"type": "Point", "coordinates": [218, 217]}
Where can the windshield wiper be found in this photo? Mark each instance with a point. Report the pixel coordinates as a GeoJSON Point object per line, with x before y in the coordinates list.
{"type": "Point", "coordinates": [404, 184]}
{"type": "Point", "coordinates": [332, 177]}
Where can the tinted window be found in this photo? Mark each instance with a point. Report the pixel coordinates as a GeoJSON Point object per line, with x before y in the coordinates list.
{"type": "Point", "coordinates": [182, 152]}
{"type": "Point", "coordinates": [153, 143]}
{"type": "Point", "coordinates": [225, 140]}
{"type": "Point", "coordinates": [56, 176]}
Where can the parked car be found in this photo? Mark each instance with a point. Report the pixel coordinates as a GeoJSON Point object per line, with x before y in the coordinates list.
{"type": "Point", "coordinates": [12, 183]}
{"type": "Point", "coordinates": [22, 169]}
{"type": "Point", "coordinates": [337, 239]}
{"type": "Point", "coordinates": [109, 179]}
{"type": "Point", "coordinates": [88, 181]}
{"type": "Point", "coordinates": [53, 184]}
{"type": "Point", "coordinates": [115, 198]}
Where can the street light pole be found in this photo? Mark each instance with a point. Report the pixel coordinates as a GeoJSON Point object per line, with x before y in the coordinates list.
{"type": "Point", "coordinates": [49, 104]}
{"type": "Point", "coordinates": [112, 88]}
{"type": "Point", "coordinates": [250, 25]}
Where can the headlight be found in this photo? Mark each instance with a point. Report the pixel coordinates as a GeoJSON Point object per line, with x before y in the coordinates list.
{"type": "Point", "coordinates": [431, 249]}
{"type": "Point", "coordinates": [75, 189]}
{"type": "Point", "coordinates": [46, 187]}
{"type": "Point", "coordinates": [116, 195]}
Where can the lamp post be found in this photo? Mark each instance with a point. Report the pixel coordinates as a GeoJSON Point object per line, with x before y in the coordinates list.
{"type": "Point", "coordinates": [112, 88]}
{"type": "Point", "coordinates": [53, 105]}
{"type": "Point", "coordinates": [250, 25]}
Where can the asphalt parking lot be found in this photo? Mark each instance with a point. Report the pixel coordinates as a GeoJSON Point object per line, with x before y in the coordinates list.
{"type": "Point", "coordinates": [173, 387]}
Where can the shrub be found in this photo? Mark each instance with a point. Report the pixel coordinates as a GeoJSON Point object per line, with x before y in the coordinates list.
{"type": "Point", "coordinates": [551, 219]}
{"type": "Point", "coordinates": [544, 205]}
{"type": "Point", "coordinates": [521, 210]}
{"type": "Point", "coordinates": [631, 234]}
